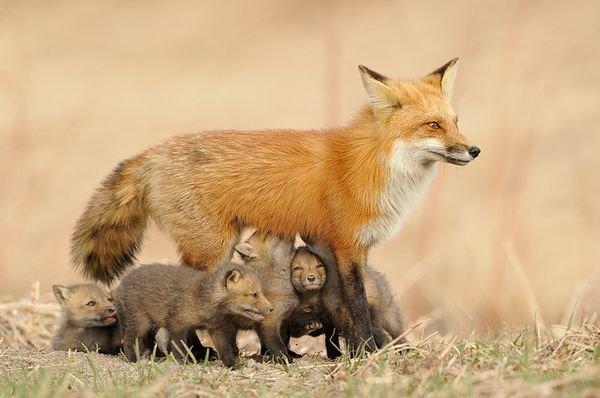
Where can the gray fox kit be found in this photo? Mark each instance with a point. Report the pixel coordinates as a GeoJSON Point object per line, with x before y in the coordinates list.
{"type": "Point", "coordinates": [181, 299]}
{"type": "Point", "coordinates": [270, 257]}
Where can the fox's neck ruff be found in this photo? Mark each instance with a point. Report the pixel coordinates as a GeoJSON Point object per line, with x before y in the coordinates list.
{"type": "Point", "coordinates": [404, 175]}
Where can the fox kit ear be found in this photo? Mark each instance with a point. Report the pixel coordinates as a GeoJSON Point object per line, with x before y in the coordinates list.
{"type": "Point", "coordinates": [444, 76]}
{"type": "Point", "coordinates": [232, 276]}
{"type": "Point", "coordinates": [61, 293]}
{"type": "Point", "coordinates": [246, 250]}
{"type": "Point", "coordinates": [381, 96]}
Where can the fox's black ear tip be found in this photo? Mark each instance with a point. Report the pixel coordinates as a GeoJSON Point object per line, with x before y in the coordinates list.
{"type": "Point", "coordinates": [453, 61]}
{"type": "Point", "coordinates": [371, 73]}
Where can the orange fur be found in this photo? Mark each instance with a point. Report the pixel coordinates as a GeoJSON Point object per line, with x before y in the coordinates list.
{"type": "Point", "coordinates": [349, 187]}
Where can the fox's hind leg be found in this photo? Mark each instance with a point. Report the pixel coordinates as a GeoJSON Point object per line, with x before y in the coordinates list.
{"type": "Point", "coordinates": [202, 247]}
{"type": "Point", "coordinates": [133, 335]}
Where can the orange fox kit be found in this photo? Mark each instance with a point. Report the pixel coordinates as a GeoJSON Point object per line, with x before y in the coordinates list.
{"type": "Point", "coordinates": [180, 299]}
{"type": "Point", "coordinates": [89, 319]}
{"type": "Point", "coordinates": [349, 187]}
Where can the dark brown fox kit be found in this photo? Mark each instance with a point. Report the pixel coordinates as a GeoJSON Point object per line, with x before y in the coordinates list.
{"type": "Point", "coordinates": [308, 278]}
{"type": "Point", "coordinates": [270, 257]}
{"type": "Point", "coordinates": [89, 319]}
{"type": "Point", "coordinates": [181, 299]}
{"type": "Point", "coordinates": [313, 278]}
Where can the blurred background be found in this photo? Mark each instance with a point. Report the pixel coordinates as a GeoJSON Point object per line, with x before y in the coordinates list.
{"type": "Point", "coordinates": [511, 238]}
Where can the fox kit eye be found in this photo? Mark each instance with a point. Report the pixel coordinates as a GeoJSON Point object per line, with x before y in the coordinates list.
{"type": "Point", "coordinates": [91, 303]}
{"type": "Point", "coordinates": [297, 268]}
{"type": "Point", "coordinates": [320, 265]}
{"type": "Point", "coordinates": [434, 125]}
{"type": "Point", "coordinates": [110, 299]}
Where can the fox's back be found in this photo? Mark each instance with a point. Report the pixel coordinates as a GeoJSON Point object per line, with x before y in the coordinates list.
{"type": "Point", "coordinates": [156, 288]}
{"type": "Point", "coordinates": [231, 172]}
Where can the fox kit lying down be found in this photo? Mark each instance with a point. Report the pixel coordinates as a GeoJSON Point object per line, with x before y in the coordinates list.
{"type": "Point", "coordinates": [89, 319]}
{"type": "Point", "coordinates": [181, 299]}
{"type": "Point", "coordinates": [312, 279]}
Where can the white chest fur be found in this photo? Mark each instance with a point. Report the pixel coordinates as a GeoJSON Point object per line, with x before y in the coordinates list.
{"type": "Point", "coordinates": [408, 179]}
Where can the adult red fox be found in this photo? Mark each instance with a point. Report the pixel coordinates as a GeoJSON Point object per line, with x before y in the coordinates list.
{"type": "Point", "coordinates": [349, 187]}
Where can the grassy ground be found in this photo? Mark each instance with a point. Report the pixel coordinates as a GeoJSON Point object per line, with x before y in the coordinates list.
{"type": "Point", "coordinates": [529, 363]}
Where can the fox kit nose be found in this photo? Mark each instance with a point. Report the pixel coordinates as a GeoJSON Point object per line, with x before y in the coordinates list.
{"type": "Point", "coordinates": [311, 278]}
{"type": "Point", "coordinates": [111, 310]}
{"type": "Point", "coordinates": [474, 151]}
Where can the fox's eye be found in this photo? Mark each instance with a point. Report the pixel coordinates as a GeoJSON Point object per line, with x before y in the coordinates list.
{"type": "Point", "coordinates": [254, 295]}
{"type": "Point", "coordinates": [434, 125]}
{"type": "Point", "coordinates": [320, 265]}
{"type": "Point", "coordinates": [110, 299]}
{"type": "Point", "coordinates": [297, 268]}
{"type": "Point", "coordinates": [91, 303]}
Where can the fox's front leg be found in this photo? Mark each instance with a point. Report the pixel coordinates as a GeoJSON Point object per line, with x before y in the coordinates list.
{"type": "Point", "coordinates": [353, 318]}
{"type": "Point", "coordinates": [224, 339]}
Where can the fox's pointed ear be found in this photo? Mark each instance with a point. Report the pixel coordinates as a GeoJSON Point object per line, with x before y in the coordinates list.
{"type": "Point", "coordinates": [444, 76]}
{"type": "Point", "coordinates": [246, 250]}
{"type": "Point", "coordinates": [232, 276]}
{"type": "Point", "coordinates": [381, 95]}
{"type": "Point", "coordinates": [61, 293]}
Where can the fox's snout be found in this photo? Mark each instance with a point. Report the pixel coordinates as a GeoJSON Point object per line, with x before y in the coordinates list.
{"type": "Point", "coordinates": [266, 307]}
{"type": "Point", "coordinates": [112, 312]}
{"type": "Point", "coordinates": [474, 151]}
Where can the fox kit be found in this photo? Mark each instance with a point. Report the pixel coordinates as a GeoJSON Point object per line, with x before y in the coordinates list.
{"type": "Point", "coordinates": [349, 187]}
{"type": "Point", "coordinates": [270, 257]}
{"type": "Point", "coordinates": [89, 319]}
{"type": "Point", "coordinates": [181, 299]}
{"type": "Point", "coordinates": [310, 277]}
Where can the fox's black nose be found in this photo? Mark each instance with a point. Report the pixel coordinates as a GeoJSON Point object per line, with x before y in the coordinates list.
{"type": "Point", "coordinates": [311, 278]}
{"type": "Point", "coordinates": [111, 310]}
{"type": "Point", "coordinates": [474, 151]}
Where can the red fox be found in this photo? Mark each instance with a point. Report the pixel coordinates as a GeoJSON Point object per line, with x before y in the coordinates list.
{"type": "Point", "coordinates": [89, 319]}
{"type": "Point", "coordinates": [180, 299]}
{"type": "Point", "coordinates": [349, 187]}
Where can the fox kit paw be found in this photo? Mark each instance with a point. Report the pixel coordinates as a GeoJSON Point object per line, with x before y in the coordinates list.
{"type": "Point", "coordinates": [312, 326]}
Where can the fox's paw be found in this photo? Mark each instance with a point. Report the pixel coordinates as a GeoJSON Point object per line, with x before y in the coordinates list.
{"type": "Point", "coordinates": [312, 326]}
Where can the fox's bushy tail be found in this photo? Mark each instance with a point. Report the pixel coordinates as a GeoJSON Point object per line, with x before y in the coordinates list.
{"type": "Point", "coordinates": [110, 230]}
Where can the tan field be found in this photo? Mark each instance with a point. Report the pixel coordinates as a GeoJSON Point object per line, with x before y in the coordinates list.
{"type": "Point", "coordinates": [511, 238]}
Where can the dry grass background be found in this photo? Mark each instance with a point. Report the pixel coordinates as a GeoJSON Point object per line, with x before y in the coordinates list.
{"type": "Point", "coordinates": [511, 237]}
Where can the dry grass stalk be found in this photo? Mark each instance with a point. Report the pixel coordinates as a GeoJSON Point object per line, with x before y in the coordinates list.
{"type": "Point", "coordinates": [28, 323]}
